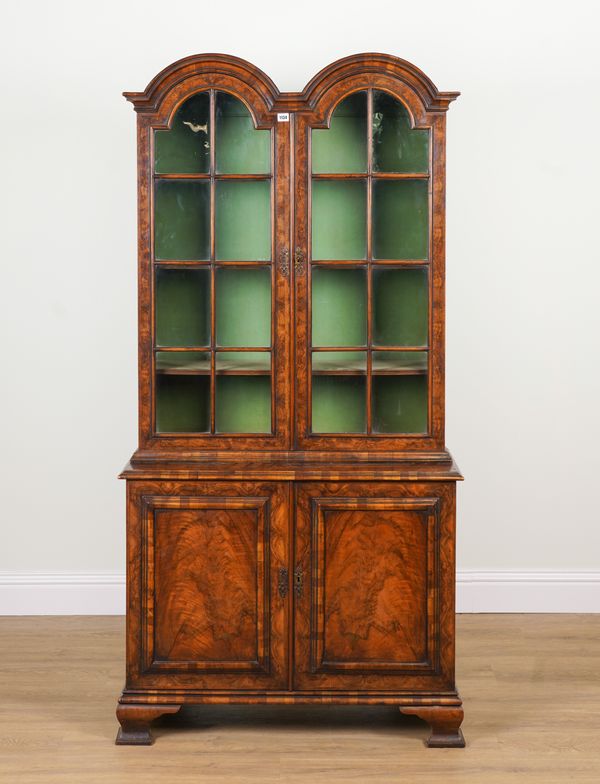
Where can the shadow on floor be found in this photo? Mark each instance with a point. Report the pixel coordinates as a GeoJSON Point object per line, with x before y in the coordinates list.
{"type": "Point", "coordinates": [320, 718]}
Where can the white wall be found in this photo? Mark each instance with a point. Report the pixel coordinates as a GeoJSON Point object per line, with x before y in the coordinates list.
{"type": "Point", "coordinates": [523, 259]}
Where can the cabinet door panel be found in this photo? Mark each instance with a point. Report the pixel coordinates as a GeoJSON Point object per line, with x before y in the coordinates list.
{"type": "Point", "coordinates": [208, 585]}
{"type": "Point", "coordinates": [371, 603]}
{"type": "Point", "coordinates": [210, 613]}
{"type": "Point", "coordinates": [368, 271]}
{"type": "Point", "coordinates": [215, 215]}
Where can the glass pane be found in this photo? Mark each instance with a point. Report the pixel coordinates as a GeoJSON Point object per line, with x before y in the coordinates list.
{"type": "Point", "coordinates": [342, 148]}
{"type": "Point", "coordinates": [339, 361]}
{"type": "Point", "coordinates": [185, 149]}
{"type": "Point", "coordinates": [182, 403]}
{"type": "Point", "coordinates": [400, 307]}
{"type": "Point", "coordinates": [243, 404]}
{"type": "Point", "coordinates": [398, 362]}
{"type": "Point", "coordinates": [399, 404]}
{"type": "Point", "coordinates": [182, 363]}
{"type": "Point", "coordinates": [240, 148]}
{"type": "Point", "coordinates": [339, 307]}
{"type": "Point", "coordinates": [235, 361]}
{"type": "Point", "coordinates": [243, 220]}
{"type": "Point", "coordinates": [339, 404]}
{"type": "Point", "coordinates": [243, 303]}
{"type": "Point", "coordinates": [397, 147]}
{"type": "Point", "coordinates": [182, 220]}
{"type": "Point", "coordinates": [339, 219]}
{"type": "Point", "coordinates": [400, 219]}
{"type": "Point", "coordinates": [182, 307]}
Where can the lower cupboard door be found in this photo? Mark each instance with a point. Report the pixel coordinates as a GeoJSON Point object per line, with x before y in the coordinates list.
{"type": "Point", "coordinates": [208, 585]}
{"type": "Point", "coordinates": [374, 586]}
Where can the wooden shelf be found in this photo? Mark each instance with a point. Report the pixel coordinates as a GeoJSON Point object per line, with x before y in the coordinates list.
{"type": "Point", "coordinates": [339, 372]}
{"type": "Point", "coordinates": [209, 263]}
{"type": "Point", "coordinates": [388, 367]}
{"type": "Point", "coordinates": [183, 371]}
{"type": "Point", "coordinates": [225, 367]}
{"type": "Point", "coordinates": [373, 175]}
{"type": "Point", "coordinates": [363, 263]}
{"type": "Point", "coordinates": [340, 366]}
{"type": "Point", "coordinates": [389, 371]}
{"type": "Point", "coordinates": [206, 176]}
{"type": "Point", "coordinates": [396, 371]}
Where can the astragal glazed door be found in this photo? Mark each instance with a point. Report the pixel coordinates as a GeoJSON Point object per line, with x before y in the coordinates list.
{"type": "Point", "coordinates": [214, 365]}
{"type": "Point", "coordinates": [369, 251]}
{"type": "Point", "coordinates": [231, 217]}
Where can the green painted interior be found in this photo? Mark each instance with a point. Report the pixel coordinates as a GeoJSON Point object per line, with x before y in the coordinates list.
{"type": "Point", "coordinates": [182, 220]}
{"type": "Point", "coordinates": [339, 219]}
{"type": "Point", "coordinates": [342, 148]}
{"type": "Point", "coordinates": [339, 307]}
{"type": "Point", "coordinates": [182, 404]}
{"type": "Point", "coordinates": [243, 404]}
{"type": "Point", "coordinates": [243, 220]}
{"type": "Point", "coordinates": [397, 147]}
{"type": "Point", "coordinates": [400, 219]}
{"type": "Point", "coordinates": [243, 304]}
{"type": "Point", "coordinates": [400, 307]}
{"type": "Point", "coordinates": [399, 404]}
{"type": "Point", "coordinates": [239, 147]}
{"type": "Point", "coordinates": [323, 361]}
{"type": "Point", "coordinates": [182, 307]}
{"type": "Point", "coordinates": [339, 404]}
{"type": "Point", "coordinates": [182, 362]}
{"type": "Point", "coordinates": [243, 360]}
{"type": "Point", "coordinates": [184, 149]}
{"type": "Point", "coordinates": [339, 296]}
{"type": "Point", "coordinates": [402, 361]}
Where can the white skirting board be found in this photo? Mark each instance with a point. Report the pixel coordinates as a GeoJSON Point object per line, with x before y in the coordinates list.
{"type": "Point", "coordinates": [74, 593]}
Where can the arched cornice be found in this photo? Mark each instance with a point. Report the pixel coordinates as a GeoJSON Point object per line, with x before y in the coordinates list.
{"type": "Point", "coordinates": [190, 69]}
{"type": "Point", "coordinates": [357, 65]}
{"type": "Point", "coordinates": [184, 76]}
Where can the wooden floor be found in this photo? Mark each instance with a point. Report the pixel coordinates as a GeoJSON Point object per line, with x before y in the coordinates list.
{"type": "Point", "coordinates": [530, 683]}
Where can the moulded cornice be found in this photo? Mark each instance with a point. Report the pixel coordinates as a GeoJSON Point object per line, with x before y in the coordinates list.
{"type": "Point", "coordinates": [430, 97]}
{"type": "Point", "coordinates": [149, 100]}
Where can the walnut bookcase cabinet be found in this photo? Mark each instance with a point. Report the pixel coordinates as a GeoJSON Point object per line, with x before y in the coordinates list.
{"type": "Point", "coordinates": [291, 505]}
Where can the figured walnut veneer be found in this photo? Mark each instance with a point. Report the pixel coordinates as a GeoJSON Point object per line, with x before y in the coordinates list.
{"type": "Point", "coordinates": [210, 610]}
{"type": "Point", "coordinates": [371, 585]}
{"type": "Point", "coordinates": [291, 566]}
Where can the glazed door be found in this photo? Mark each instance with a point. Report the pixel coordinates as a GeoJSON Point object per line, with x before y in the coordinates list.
{"type": "Point", "coordinates": [214, 223]}
{"type": "Point", "coordinates": [374, 602]}
{"type": "Point", "coordinates": [369, 344]}
{"type": "Point", "coordinates": [208, 585]}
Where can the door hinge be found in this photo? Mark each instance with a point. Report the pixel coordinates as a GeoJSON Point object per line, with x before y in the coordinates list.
{"type": "Point", "coordinates": [298, 581]}
{"type": "Point", "coordinates": [284, 262]}
{"type": "Point", "coordinates": [299, 262]}
{"type": "Point", "coordinates": [282, 583]}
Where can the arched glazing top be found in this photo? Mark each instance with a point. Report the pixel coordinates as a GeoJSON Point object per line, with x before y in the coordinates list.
{"type": "Point", "coordinates": [223, 121]}
{"type": "Point", "coordinates": [370, 129]}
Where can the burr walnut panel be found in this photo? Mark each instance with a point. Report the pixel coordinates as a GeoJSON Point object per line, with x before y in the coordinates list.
{"type": "Point", "coordinates": [374, 585]}
{"type": "Point", "coordinates": [209, 609]}
{"type": "Point", "coordinates": [368, 603]}
{"type": "Point", "coordinates": [209, 613]}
